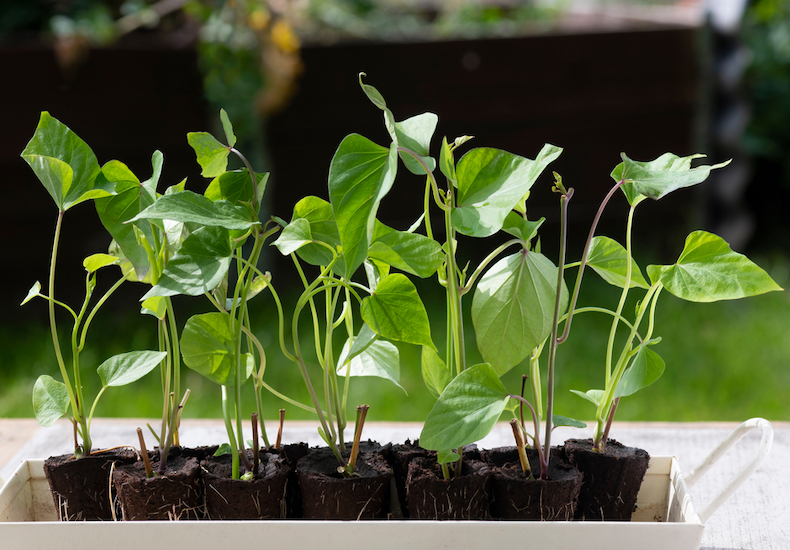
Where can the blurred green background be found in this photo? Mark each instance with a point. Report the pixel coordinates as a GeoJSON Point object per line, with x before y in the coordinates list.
{"type": "Point", "coordinates": [725, 361]}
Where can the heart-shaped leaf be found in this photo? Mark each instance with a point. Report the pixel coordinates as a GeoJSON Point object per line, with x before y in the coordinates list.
{"type": "Point", "coordinates": [708, 270]}
{"type": "Point", "coordinates": [294, 236]}
{"type": "Point", "coordinates": [409, 252]}
{"type": "Point", "coordinates": [380, 359]}
{"type": "Point", "coordinates": [208, 348]}
{"type": "Point", "coordinates": [521, 228]}
{"type": "Point", "coordinates": [212, 156]}
{"type": "Point", "coordinates": [50, 400]}
{"type": "Point", "coordinates": [610, 260]}
{"type": "Point", "coordinates": [227, 127]}
{"type": "Point", "coordinates": [199, 266]}
{"type": "Point", "coordinates": [236, 187]}
{"type": "Point", "coordinates": [466, 411]}
{"type": "Point", "coordinates": [323, 228]}
{"type": "Point", "coordinates": [64, 164]}
{"type": "Point", "coordinates": [360, 175]}
{"type": "Point", "coordinates": [490, 184]}
{"type": "Point", "coordinates": [513, 308]}
{"type": "Point", "coordinates": [659, 177]}
{"type": "Point", "coordinates": [646, 367]}
{"type": "Point", "coordinates": [396, 312]}
{"type": "Point", "coordinates": [415, 134]}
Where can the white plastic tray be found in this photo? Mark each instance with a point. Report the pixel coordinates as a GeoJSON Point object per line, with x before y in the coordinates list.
{"type": "Point", "coordinates": [665, 519]}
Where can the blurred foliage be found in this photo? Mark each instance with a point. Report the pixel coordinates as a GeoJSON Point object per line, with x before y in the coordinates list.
{"type": "Point", "coordinates": [766, 32]}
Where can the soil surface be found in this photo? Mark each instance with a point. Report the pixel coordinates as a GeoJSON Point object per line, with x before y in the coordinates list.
{"type": "Point", "coordinates": [80, 488]}
{"type": "Point", "coordinates": [327, 494]}
{"type": "Point", "coordinates": [176, 495]}
{"type": "Point", "coordinates": [516, 497]}
{"type": "Point", "coordinates": [611, 479]}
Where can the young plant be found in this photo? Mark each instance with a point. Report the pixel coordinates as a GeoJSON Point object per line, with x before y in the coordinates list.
{"type": "Point", "coordinates": [338, 237]}
{"type": "Point", "coordinates": [218, 258]}
{"type": "Point", "coordinates": [707, 270]}
{"type": "Point", "coordinates": [69, 170]}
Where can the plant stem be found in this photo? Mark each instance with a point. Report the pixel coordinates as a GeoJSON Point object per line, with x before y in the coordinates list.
{"type": "Point", "coordinates": [279, 439]}
{"type": "Point", "coordinates": [75, 404]}
{"type": "Point", "coordinates": [149, 472]}
{"type": "Point", "coordinates": [362, 411]}
{"type": "Point", "coordinates": [583, 263]}
{"type": "Point", "coordinates": [522, 453]}
{"type": "Point", "coordinates": [554, 342]}
{"type": "Point", "coordinates": [255, 447]}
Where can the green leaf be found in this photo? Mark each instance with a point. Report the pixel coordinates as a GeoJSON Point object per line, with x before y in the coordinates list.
{"type": "Point", "coordinates": [212, 156]}
{"type": "Point", "coordinates": [34, 291]}
{"type": "Point", "coordinates": [609, 259]}
{"type": "Point", "coordinates": [322, 228]}
{"type": "Point", "coordinates": [378, 100]}
{"type": "Point", "coordinates": [593, 396]}
{"type": "Point", "coordinates": [490, 184]}
{"type": "Point", "coordinates": [199, 266]}
{"type": "Point", "coordinates": [294, 236]}
{"type": "Point", "coordinates": [520, 228]}
{"type": "Point", "coordinates": [396, 312]}
{"type": "Point", "coordinates": [236, 187]}
{"type": "Point", "coordinates": [64, 164]}
{"type": "Point", "coordinates": [130, 199]}
{"type": "Point", "coordinates": [365, 337]}
{"type": "Point", "coordinates": [360, 175]}
{"type": "Point", "coordinates": [435, 373]}
{"type": "Point", "coordinates": [95, 262]}
{"type": "Point", "coordinates": [380, 359]}
{"type": "Point", "coordinates": [227, 127]}
{"type": "Point", "coordinates": [129, 367]}
{"type": "Point", "coordinates": [559, 420]}
{"type": "Point", "coordinates": [208, 348]}
{"type": "Point", "coordinates": [445, 457]}
{"type": "Point", "coordinates": [415, 134]}
{"type": "Point", "coordinates": [50, 400]}
{"type": "Point", "coordinates": [513, 308]}
{"type": "Point", "coordinates": [189, 207]}
{"type": "Point", "coordinates": [659, 177]}
{"type": "Point", "coordinates": [646, 367]}
{"type": "Point", "coordinates": [447, 163]}
{"type": "Point", "coordinates": [224, 449]}
{"type": "Point", "coordinates": [156, 306]}
{"type": "Point", "coordinates": [409, 252]}
{"type": "Point", "coordinates": [708, 270]}
{"type": "Point", "coordinates": [466, 411]}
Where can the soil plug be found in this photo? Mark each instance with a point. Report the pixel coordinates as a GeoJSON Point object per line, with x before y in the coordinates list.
{"type": "Point", "coordinates": [149, 472]}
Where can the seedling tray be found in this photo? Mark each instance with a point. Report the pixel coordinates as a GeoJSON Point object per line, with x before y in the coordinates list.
{"type": "Point", "coordinates": [665, 519]}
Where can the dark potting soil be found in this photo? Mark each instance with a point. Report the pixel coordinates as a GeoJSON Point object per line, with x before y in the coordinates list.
{"type": "Point", "coordinates": [515, 497]}
{"type": "Point", "coordinates": [263, 497]}
{"type": "Point", "coordinates": [80, 487]}
{"type": "Point", "coordinates": [327, 494]}
{"type": "Point", "coordinates": [292, 452]}
{"type": "Point", "coordinates": [176, 495]}
{"type": "Point", "coordinates": [430, 496]}
{"type": "Point", "coordinates": [611, 479]}
{"type": "Point", "coordinates": [399, 456]}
